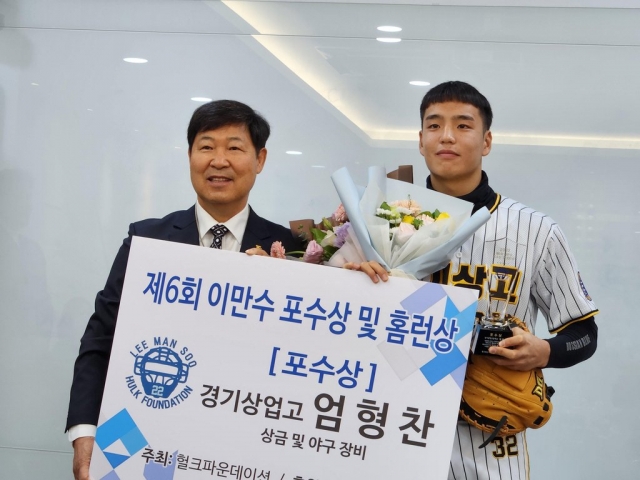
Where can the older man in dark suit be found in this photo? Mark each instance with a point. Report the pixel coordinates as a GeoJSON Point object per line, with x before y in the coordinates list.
{"type": "Point", "coordinates": [226, 151]}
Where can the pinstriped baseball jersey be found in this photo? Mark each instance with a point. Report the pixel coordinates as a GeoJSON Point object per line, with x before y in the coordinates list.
{"type": "Point", "coordinates": [521, 257]}
{"type": "Point", "coordinates": [506, 458]}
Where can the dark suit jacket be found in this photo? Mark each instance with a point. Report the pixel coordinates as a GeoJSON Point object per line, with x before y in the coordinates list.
{"type": "Point", "coordinates": [90, 370]}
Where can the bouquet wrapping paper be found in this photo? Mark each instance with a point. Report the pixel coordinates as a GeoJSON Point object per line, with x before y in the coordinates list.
{"type": "Point", "coordinates": [426, 251]}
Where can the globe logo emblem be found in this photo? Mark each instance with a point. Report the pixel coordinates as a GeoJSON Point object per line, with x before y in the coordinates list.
{"type": "Point", "coordinates": [161, 370]}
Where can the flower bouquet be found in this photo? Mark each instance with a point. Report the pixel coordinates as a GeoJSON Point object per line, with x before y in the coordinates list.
{"type": "Point", "coordinates": [390, 226]}
{"type": "Point", "coordinates": [323, 240]}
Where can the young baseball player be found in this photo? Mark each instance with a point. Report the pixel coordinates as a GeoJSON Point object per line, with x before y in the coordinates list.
{"type": "Point", "coordinates": [520, 258]}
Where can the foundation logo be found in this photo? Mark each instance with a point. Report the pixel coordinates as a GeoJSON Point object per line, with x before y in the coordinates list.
{"type": "Point", "coordinates": [160, 373]}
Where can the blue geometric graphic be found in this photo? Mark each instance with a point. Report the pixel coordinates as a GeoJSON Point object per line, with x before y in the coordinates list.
{"type": "Point", "coordinates": [116, 460]}
{"type": "Point", "coordinates": [458, 375]}
{"type": "Point", "coordinates": [157, 471]}
{"type": "Point", "coordinates": [423, 298]}
{"type": "Point", "coordinates": [120, 427]}
{"type": "Point", "coordinates": [112, 475]}
{"type": "Point", "coordinates": [442, 365]}
{"type": "Point", "coordinates": [451, 311]}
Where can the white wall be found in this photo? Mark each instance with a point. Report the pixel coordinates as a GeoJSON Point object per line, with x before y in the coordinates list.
{"type": "Point", "coordinates": [99, 143]}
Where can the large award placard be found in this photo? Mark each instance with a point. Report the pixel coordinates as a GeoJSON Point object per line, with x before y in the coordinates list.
{"type": "Point", "coordinates": [243, 367]}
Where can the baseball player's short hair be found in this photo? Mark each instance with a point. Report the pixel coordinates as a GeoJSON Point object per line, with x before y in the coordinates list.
{"type": "Point", "coordinates": [221, 113]}
{"type": "Point", "coordinates": [456, 91]}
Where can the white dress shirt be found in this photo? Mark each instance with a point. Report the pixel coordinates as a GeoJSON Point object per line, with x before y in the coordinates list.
{"type": "Point", "coordinates": [236, 225]}
{"type": "Point", "coordinates": [231, 241]}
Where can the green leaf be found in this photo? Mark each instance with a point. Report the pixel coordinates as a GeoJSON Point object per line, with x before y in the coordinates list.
{"type": "Point", "coordinates": [417, 223]}
{"type": "Point", "coordinates": [329, 250]}
{"type": "Point", "coordinates": [436, 214]}
{"type": "Point", "coordinates": [318, 235]}
{"type": "Point", "coordinates": [327, 224]}
{"type": "Point", "coordinates": [385, 206]}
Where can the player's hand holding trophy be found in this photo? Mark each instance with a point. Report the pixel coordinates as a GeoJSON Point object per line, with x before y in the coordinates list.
{"type": "Point", "coordinates": [495, 325]}
{"type": "Point", "coordinates": [489, 331]}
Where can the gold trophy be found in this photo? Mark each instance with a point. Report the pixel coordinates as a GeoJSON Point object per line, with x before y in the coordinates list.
{"type": "Point", "coordinates": [494, 326]}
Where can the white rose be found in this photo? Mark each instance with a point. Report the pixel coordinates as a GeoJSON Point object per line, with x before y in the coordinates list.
{"type": "Point", "coordinates": [329, 239]}
{"type": "Point", "coordinates": [426, 219]}
{"type": "Point", "coordinates": [405, 232]}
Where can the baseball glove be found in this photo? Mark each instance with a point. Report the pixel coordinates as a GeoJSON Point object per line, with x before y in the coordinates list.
{"type": "Point", "coordinates": [502, 401]}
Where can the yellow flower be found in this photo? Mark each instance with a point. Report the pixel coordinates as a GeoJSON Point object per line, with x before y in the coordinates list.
{"type": "Point", "coordinates": [442, 216]}
{"type": "Point", "coordinates": [408, 219]}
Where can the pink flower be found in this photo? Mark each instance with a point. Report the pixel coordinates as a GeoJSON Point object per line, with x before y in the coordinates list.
{"type": "Point", "coordinates": [314, 252]}
{"type": "Point", "coordinates": [426, 219]}
{"type": "Point", "coordinates": [404, 233]}
{"type": "Point", "coordinates": [340, 215]}
{"type": "Point", "coordinates": [409, 204]}
{"type": "Point", "coordinates": [277, 250]}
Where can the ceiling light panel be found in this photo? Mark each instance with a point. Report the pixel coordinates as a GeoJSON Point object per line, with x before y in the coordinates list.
{"type": "Point", "coordinates": [356, 76]}
{"type": "Point", "coordinates": [389, 29]}
{"type": "Point", "coordinates": [486, 24]}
